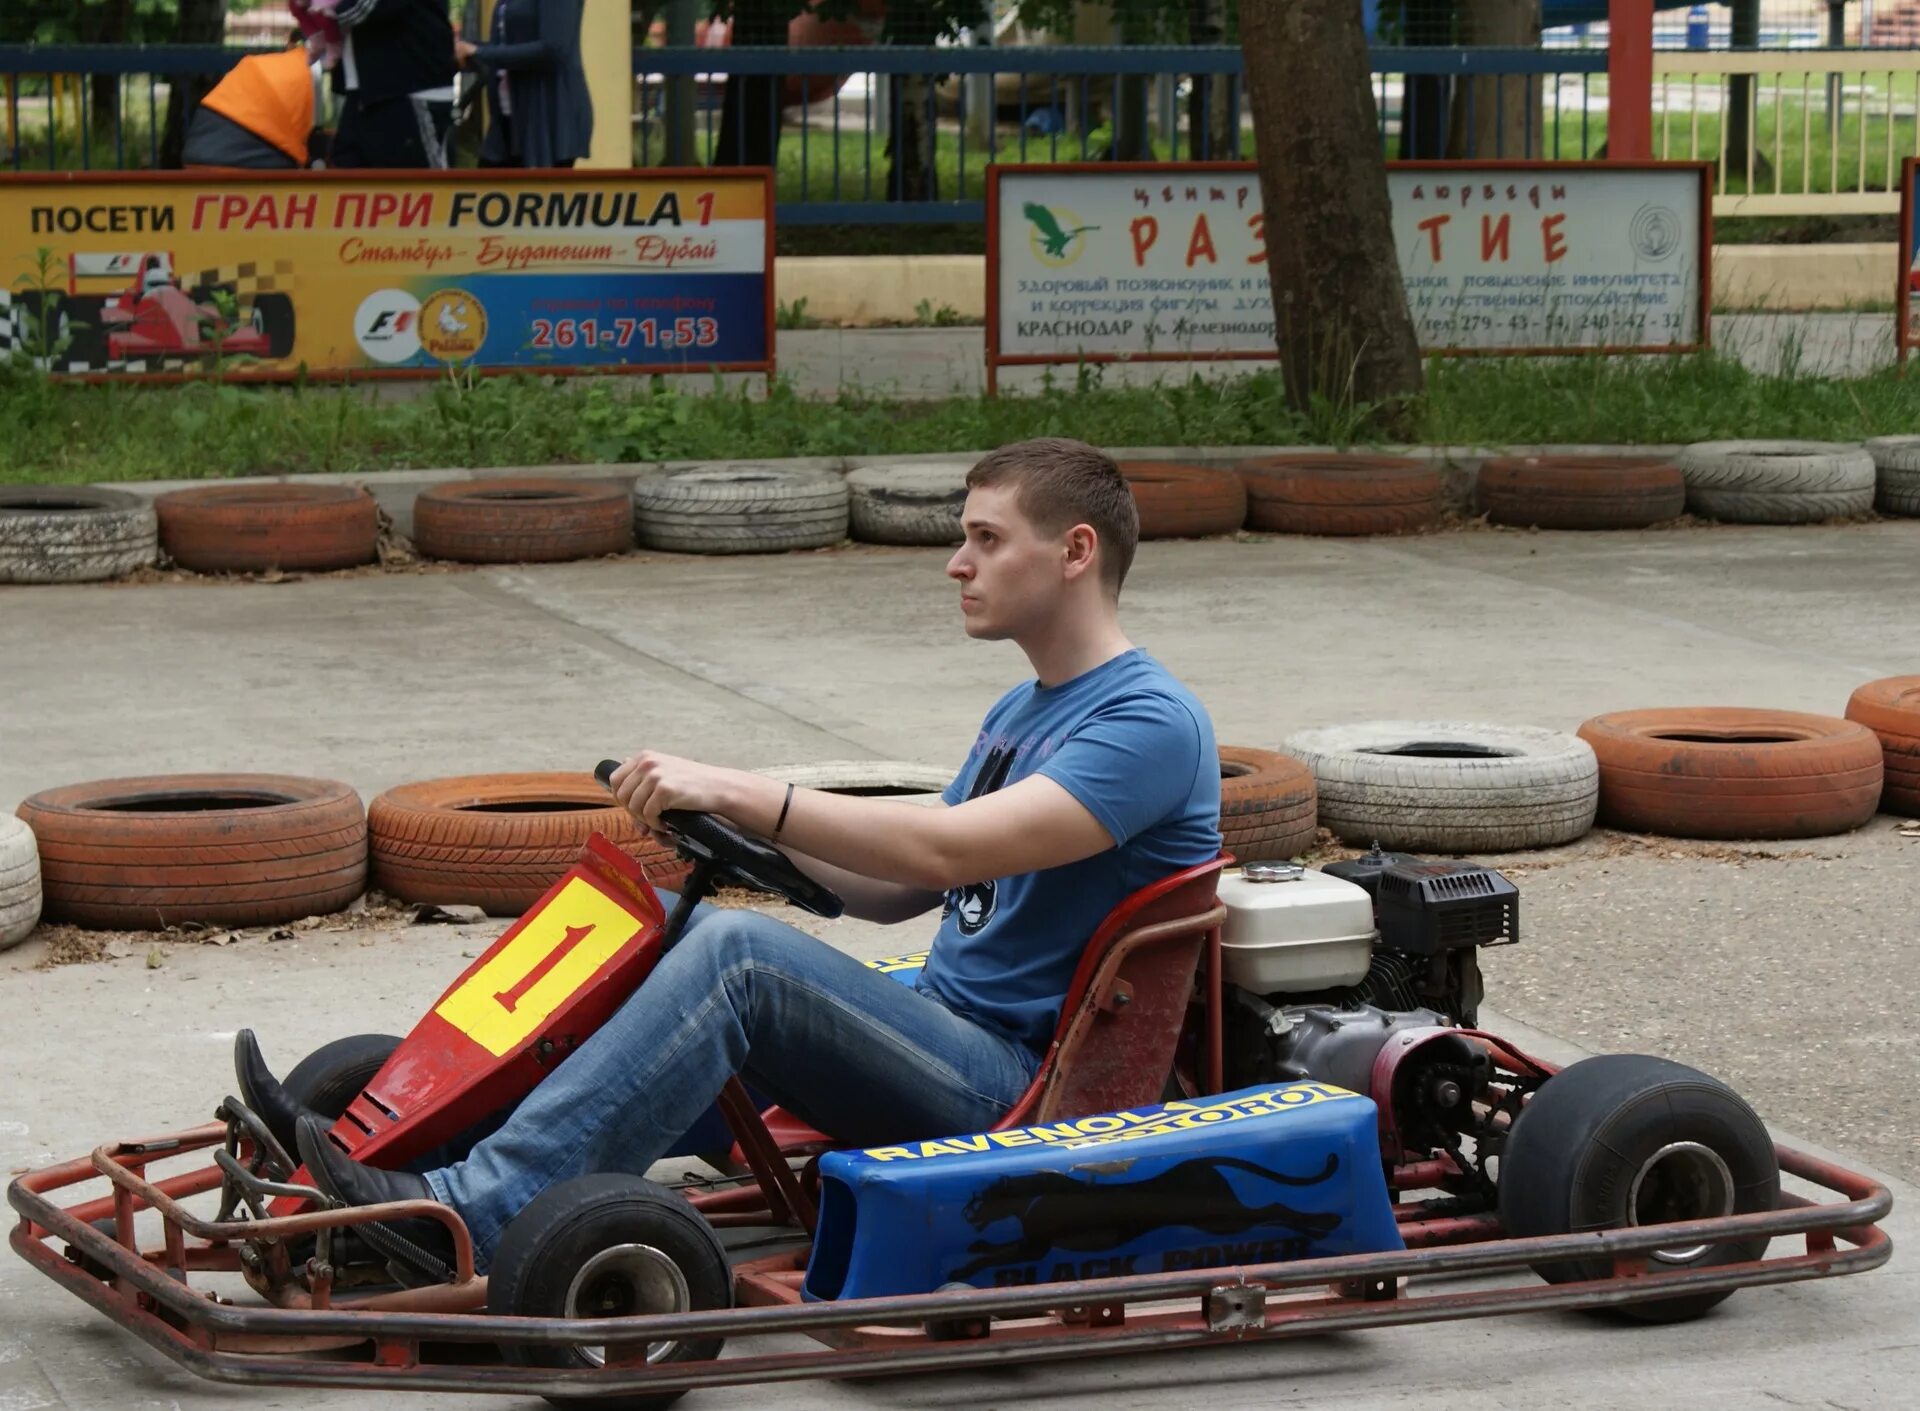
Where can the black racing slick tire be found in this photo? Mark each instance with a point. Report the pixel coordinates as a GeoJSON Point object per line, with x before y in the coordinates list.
{"type": "Point", "coordinates": [1623, 1140]}
{"type": "Point", "coordinates": [604, 1246]}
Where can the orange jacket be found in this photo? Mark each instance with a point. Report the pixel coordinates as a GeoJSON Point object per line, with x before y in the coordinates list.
{"type": "Point", "coordinates": [271, 96]}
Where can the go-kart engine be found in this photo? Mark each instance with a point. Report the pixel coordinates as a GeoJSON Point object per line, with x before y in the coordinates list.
{"type": "Point", "coordinates": [1323, 968]}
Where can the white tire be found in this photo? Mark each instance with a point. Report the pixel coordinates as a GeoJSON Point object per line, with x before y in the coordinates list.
{"type": "Point", "coordinates": [742, 509]}
{"type": "Point", "coordinates": [900, 781]}
{"type": "Point", "coordinates": [909, 504]}
{"type": "Point", "coordinates": [19, 881]}
{"type": "Point", "coordinates": [1777, 482]}
{"type": "Point", "coordinates": [74, 533]}
{"type": "Point", "coordinates": [1897, 459]}
{"type": "Point", "coordinates": [1447, 786]}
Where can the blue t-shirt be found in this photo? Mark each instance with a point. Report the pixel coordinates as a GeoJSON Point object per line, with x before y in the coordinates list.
{"type": "Point", "coordinates": [1130, 743]}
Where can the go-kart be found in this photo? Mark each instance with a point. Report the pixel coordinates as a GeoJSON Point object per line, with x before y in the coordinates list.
{"type": "Point", "coordinates": [1266, 1112]}
{"type": "Point", "coordinates": [153, 317]}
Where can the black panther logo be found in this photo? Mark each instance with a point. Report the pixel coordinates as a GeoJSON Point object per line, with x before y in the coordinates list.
{"type": "Point", "coordinates": [973, 904]}
{"type": "Point", "coordinates": [1059, 1211]}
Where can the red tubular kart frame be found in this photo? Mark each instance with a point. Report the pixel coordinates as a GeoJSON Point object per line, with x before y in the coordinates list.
{"type": "Point", "coordinates": [148, 1293]}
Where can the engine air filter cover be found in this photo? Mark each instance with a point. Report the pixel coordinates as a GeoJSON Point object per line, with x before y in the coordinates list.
{"type": "Point", "coordinates": [1429, 907]}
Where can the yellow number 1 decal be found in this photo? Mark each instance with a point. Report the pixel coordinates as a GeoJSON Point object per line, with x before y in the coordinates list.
{"type": "Point", "coordinates": [508, 998]}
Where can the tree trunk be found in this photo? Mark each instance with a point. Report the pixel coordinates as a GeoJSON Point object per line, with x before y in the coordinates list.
{"type": "Point", "coordinates": [199, 22]}
{"type": "Point", "coordinates": [750, 107]}
{"type": "Point", "coordinates": [1498, 117]}
{"type": "Point", "coordinates": [1339, 306]}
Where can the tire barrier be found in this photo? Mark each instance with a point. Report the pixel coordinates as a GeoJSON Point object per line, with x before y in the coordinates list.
{"type": "Point", "coordinates": [1728, 772]}
{"type": "Point", "coordinates": [254, 528]}
{"type": "Point", "coordinates": [744, 509]}
{"type": "Point", "coordinates": [522, 520]}
{"type": "Point", "coordinates": [1328, 493]}
{"type": "Point", "coordinates": [1777, 482]}
{"type": "Point", "coordinates": [1580, 492]}
{"type": "Point", "coordinates": [1446, 786]}
{"type": "Point", "coordinates": [220, 849]}
{"type": "Point", "coordinates": [74, 533]}
{"type": "Point", "coordinates": [1178, 501]}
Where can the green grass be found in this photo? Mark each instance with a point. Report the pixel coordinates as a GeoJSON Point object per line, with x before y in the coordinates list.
{"type": "Point", "coordinates": [62, 432]}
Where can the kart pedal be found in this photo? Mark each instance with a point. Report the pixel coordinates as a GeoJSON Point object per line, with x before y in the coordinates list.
{"type": "Point", "coordinates": [264, 1094]}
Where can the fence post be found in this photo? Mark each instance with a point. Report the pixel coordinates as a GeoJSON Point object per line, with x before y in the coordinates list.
{"type": "Point", "coordinates": [1629, 80]}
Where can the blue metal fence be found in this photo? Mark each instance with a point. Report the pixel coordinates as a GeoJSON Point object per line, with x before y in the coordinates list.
{"type": "Point", "coordinates": [103, 107]}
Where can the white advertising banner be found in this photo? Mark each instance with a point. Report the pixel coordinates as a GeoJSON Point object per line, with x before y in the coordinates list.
{"type": "Point", "coordinates": [1170, 261]}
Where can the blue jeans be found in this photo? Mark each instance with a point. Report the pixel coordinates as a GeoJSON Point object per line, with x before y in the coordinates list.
{"type": "Point", "coordinates": [842, 1047]}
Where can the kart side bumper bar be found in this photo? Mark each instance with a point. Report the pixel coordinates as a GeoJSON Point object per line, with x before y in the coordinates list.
{"type": "Point", "coordinates": [149, 1293]}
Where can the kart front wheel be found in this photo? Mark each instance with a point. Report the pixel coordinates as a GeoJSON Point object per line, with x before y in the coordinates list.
{"type": "Point", "coordinates": [333, 1075]}
{"type": "Point", "coordinates": [606, 1246]}
{"type": "Point", "coordinates": [1623, 1140]}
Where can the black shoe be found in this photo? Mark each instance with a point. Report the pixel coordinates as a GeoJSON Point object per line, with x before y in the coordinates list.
{"type": "Point", "coordinates": [263, 1093]}
{"type": "Point", "coordinates": [422, 1247]}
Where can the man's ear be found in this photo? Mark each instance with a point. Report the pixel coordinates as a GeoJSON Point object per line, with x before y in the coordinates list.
{"type": "Point", "coordinates": [1082, 548]}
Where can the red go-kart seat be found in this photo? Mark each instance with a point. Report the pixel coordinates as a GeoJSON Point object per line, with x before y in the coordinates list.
{"type": "Point", "coordinates": [1121, 1018]}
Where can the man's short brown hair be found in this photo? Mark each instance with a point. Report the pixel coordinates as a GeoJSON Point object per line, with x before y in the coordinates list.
{"type": "Point", "coordinates": [1059, 483]}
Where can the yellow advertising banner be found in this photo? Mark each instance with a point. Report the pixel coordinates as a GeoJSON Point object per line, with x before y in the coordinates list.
{"type": "Point", "coordinates": [351, 274]}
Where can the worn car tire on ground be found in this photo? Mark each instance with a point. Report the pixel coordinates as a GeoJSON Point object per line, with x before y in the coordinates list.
{"type": "Point", "coordinates": [498, 841]}
{"type": "Point", "coordinates": [74, 533]}
{"type": "Point", "coordinates": [253, 528]}
{"type": "Point", "coordinates": [1896, 461]}
{"type": "Point", "coordinates": [901, 780]}
{"type": "Point", "coordinates": [1177, 501]}
{"type": "Point", "coordinates": [220, 849]}
{"type": "Point", "coordinates": [1732, 773]}
{"type": "Point", "coordinates": [1580, 492]}
{"type": "Point", "coordinates": [522, 519]}
{"type": "Point", "coordinates": [1329, 493]}
{"type": "Point", "coordinates": [19, 881]}
{"type": "Point", "coordinates": [918, 503]}
{"type": "Point", "coordinates": [1777, 482]}
{"type": "Point", "coordinates": [1891, 709]}
{"type": "Point", "coordinates": [1447, 786]}
{"type": "Point", "coordinates": [1269, 805]}
{"type": "Point", "coordinates": [1623, 1139]}
{"type": "Point", "coordinates": [745, 509]}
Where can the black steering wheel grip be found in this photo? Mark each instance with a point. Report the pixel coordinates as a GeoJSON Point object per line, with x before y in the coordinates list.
{"type": "Point", "coordinates": [704, 837]}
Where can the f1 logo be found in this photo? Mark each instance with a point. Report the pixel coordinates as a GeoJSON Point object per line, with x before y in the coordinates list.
{"type": "Point", "coordinates": [390, 322]}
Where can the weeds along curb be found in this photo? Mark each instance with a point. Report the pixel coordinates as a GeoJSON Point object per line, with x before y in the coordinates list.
{"type": "Point", "coordinates": [395, 489]}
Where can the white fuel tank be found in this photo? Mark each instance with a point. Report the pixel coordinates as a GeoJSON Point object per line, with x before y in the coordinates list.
{"type": "Point", "coordinates": [1290, 929]}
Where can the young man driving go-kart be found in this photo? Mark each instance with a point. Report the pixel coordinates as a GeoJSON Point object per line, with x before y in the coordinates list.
{"type": "Point", "coordinates": [1096, 778]}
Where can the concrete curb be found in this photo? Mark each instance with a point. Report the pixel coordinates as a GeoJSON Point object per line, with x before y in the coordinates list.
{"type": "Point", "coordinates": [395, 490]}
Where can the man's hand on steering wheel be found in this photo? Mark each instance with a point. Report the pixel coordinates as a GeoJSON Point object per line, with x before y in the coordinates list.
{"type": "Point", "coordinates": [708, 839]}
{"type": "Point", "coordinates": [650, 783]}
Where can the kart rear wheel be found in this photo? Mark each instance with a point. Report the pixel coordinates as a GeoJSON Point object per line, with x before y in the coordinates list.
{"type": "Point", "coordinates": [273, 316]}
{"type": "Point", "coordinates": [1625, 1139]}
{"type": "Point", "coordinates": [603, 1246]}
{"type": "Point", "coordinates": [334, 1074]}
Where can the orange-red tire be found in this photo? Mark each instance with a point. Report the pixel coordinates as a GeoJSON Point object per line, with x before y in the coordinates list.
{"type": "Point", "coordinates": [220, 849]}
{"type": "Point", "coordinates": [524, 520]}
{"type": "Point", "coordinates": [1580, 492]}
{"type": "Point", "coordinates": [1269, 807]}
{"type": "Point", "coordinates": [1328, 493]}
{"type": "Point", "coordinates": [1728, 772]}
{"type": "Point", "coordinates": [1890, 708]}
{"type": "Point", "coordinates": [1178, 501]}
{"type": "Point", "coordinates": [498, 841]}
{"type": "Point", "coordinates": [253, 528]}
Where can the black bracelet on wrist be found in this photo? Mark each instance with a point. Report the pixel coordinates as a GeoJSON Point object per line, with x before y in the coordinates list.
{"type": "Point", "coordinates": [787, 804]}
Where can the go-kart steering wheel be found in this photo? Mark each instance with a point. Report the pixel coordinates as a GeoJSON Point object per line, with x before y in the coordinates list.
{"type": "Point", "coordinates": [703, 837]}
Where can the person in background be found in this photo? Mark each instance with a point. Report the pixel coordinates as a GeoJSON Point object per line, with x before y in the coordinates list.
{"type": "Point", "coordinates": [539, 111]}
{"type": "Point", "coordinates": [261, 116]}
{"type": "Point", "coordinates": [395, 80]}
